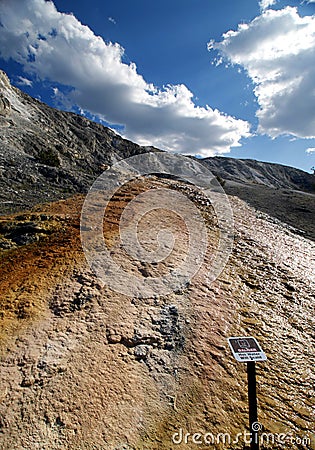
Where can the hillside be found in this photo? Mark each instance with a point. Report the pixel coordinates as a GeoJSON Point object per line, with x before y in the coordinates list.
{"type": "Point", "coordinates": [46, 154]}
{"type": "Point", "coordinates": [282, 192]}
{"type": "Point", "coordinates": [84, 366]}
{"type": "Point", "coordinates": [261, 173]}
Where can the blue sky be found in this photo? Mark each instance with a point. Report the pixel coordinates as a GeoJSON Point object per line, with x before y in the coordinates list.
{"type": "Point", "coordinates": [203, 77]}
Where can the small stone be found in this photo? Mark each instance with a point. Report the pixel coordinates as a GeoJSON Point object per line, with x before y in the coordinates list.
{"type": "Point", "coordinates": [173, 310]}
{"type": "Point", "coordinates": [141, 351]}
{"type": "Point", "coordinates": [28, 381]}
{"type": "Point", "coordinates": [114, 338]}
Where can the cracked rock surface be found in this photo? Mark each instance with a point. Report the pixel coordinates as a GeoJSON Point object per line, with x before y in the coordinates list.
{"type": "Point", "coordinates": [83, 367]}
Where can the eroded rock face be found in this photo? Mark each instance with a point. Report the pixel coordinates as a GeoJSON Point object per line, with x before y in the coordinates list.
{"type": "Point", "coordinates": [5, 106]}
{"type": "Point", "coordinates": [46, 154]}
{"type": "Point", "coordinates": [4, 80]}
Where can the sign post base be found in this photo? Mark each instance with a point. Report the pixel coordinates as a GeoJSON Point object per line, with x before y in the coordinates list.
{"type": "Point", "coordinates": [246, 349]}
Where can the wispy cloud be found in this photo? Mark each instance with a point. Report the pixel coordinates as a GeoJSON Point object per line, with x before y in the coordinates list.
{"type": "Point", "coordinates": [265, 4]}
{"type": "Point", "coordinates": [310, 149]}
{"type": "Point", "coordinates": [21, 81]}
{"type": "Point", "coordinates": [57, 47]}
{"type": "Point", "coordinates": [277, 49]}
{"type": "Point", "coordinates": [111, 19]}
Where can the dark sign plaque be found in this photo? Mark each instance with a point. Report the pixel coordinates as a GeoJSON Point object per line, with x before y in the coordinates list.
{"type": "Point", "coordinates": [246, 349]}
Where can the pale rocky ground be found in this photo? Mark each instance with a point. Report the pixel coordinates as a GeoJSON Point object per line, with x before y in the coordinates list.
{"type": "Point", "coordinates": [85, 368]}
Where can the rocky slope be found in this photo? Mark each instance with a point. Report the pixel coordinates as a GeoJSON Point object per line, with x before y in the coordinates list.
{"type": "Point", "coordinates": [46, 154]}
{"type": "Point", "coordinates": [261, 173]}
{"type": "Point", "coordinates": [84, 367]}
{"type": "Point", "coordinates": [283, 192]}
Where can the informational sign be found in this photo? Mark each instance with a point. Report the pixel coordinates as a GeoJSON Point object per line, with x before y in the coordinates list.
{"type": "Point", "coordinates": [246, 349]}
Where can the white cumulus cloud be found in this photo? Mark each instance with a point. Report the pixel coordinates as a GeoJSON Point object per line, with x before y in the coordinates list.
{"type": "Point", "coordinates": [310, 150]}
{"type": "Point", "coordinates": [277, 49]}
{"type": "Point", "coordinates": [57, 47]}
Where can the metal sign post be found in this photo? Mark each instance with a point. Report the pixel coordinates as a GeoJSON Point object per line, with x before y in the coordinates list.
{"type": "Point", "coordinates": [247, 349]}
{"type": "Point", "coordinates": [252, 405]}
